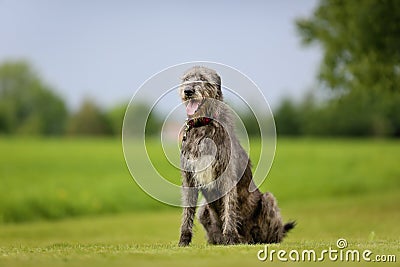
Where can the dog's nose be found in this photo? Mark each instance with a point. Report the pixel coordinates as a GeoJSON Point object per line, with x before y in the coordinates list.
{"type": "Point", "coordinates": [188, 91]}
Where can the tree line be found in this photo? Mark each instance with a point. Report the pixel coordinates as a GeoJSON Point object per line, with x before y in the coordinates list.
{"type": "Point", "coordinates": [360, 68]}
{"type": "Point", "coordinates": [28, 106]}
{"type": "Point", "coordinates": [355, 115]}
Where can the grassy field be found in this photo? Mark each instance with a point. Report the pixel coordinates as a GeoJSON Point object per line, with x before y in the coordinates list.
{"type": "Point", "coordinates": [72, 202]}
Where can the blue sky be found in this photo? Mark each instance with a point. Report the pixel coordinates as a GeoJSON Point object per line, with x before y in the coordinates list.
{"type": "Point", "coordinates": [106, 49]}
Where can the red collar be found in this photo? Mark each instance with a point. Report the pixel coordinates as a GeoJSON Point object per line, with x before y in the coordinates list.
{"type": "Point", "coordinates": [198, 122]}
{"type": "Point", "coordinates": [194, 123]}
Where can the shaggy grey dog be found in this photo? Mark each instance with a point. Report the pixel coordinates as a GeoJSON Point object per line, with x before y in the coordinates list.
{"type": "Point", "coordinates": [214, 163]}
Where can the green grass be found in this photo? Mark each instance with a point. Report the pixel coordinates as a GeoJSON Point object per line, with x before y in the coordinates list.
{"type": "Point", "coordinates": [58, 178]}
{"type": "Point", "coordinates": [149, 239]}
{"type": "Point", "coordinates": [333, 188]}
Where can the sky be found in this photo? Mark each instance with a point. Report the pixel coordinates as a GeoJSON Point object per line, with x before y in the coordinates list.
{"type": "Point", "coordinates": [105, 50]}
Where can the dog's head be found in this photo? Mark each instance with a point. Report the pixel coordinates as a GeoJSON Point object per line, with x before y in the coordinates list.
{"type": "Point", "coordinates": [198, 85]}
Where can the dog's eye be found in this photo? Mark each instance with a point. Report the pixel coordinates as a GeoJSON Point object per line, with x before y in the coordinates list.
{"type": "Point", "coordinates": [186, 79]}
{"type": "Point", "coordinates": [202, 79]}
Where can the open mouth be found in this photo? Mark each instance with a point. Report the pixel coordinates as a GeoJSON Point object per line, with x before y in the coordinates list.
{"type": "Point", "coordinates": [193, 105]}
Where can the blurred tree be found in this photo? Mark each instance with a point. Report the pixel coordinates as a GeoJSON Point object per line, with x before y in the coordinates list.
{"type": "Point", "coordinates": [152, 120]}
{"type": "Point", "coordinates": [27, 106]}
{"type": "Point", "coordinates": [287, 118]}
{"type": "Point", "coordinates": [154, 124]}
{"type": "Point", "coordinates": [250, 122]}
{"type": "Point", "coordinates": [115, 117]}
{"type": "Point", "coordinates": [357, 114]}
{"type": "Point", "coordinates": [142, 115]}
{"type": "Point", "coordinates": [88, 120]}
{"type": "Point", "coordinates": [361, 43]}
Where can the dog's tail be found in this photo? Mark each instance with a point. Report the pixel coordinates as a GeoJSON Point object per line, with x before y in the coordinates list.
{"type": "Point", "coordinates": [288, 226]}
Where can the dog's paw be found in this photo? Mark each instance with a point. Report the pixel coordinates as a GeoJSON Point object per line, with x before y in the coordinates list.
{"type": "Point", "coordinates": [217, 239]}
{"type": "Point", "coordinates": [185, 240]}
{"type": "Point", "coordinates": [231, 238]}
{"type": "Point", "coordinates": [183, 243]}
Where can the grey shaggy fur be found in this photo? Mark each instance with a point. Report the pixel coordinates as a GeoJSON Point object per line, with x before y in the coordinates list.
{"type": "Point", "coordinates": [239, 216]}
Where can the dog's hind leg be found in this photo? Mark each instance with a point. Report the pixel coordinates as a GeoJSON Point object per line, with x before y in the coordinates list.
{"type": "Point", "coordinates": [271, 226]}
{"type": "Point", "coordinates": [211, 224]}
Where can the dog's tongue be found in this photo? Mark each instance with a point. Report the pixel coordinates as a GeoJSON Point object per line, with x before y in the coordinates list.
{"type": "Point", "coordinates": [191, 107]}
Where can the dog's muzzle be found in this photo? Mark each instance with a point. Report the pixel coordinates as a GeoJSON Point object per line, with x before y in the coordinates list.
{"type": "Point", "coordinates": [188, 91]}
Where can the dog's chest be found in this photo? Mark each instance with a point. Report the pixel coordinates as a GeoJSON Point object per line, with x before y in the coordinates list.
{"type": "Point", "coordinates": [203, 170]}
{"type": "Point", "coordinates": [198, 157]}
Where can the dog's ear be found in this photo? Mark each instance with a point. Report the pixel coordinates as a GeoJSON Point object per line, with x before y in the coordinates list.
{"type": "Point", "coordinates": [219, 94]}
{"type": "Point", "coordinates": [217, 80]}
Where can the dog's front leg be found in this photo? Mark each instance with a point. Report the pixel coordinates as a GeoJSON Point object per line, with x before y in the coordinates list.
{"type": "Point", "coordinates": [189, 198]}
{"type": "Point", "coordinates": [230, 218]}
